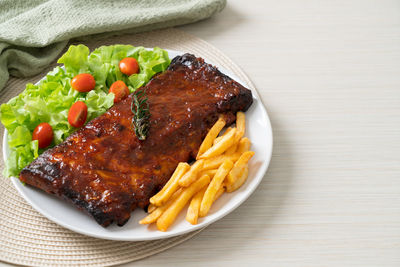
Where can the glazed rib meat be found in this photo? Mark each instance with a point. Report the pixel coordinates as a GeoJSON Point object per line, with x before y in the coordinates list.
{"type": "Point", "coordinates": [106, 171]}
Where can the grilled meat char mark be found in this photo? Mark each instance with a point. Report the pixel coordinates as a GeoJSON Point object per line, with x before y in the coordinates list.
{"type": "Point", "coordinates": [106, 171]}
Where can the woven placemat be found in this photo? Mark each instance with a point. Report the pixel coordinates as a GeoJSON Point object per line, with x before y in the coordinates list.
{"type": "Point", "coordinates": [28, 238]}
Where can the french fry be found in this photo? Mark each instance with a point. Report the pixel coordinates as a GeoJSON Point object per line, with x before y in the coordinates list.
{"type": "Point", "coordinates": [193, 211]}
{"type": "Point", "coordinates": [238, 182]}
{"type": "Point", "coordinates": [211, 135]}
{"type": "Point", "coordinates": [244, 145]}
{"type": "Point", "coordinates": [219, 193]}
{"type": "Point", "coordinates": [232, 149]}
{"type": "Point", "coordinates": [192, 174]}
{"type": "Point", "coordinates": [241, 122]}
{"type": "Point", "coordinates": [192, 214]}
{"type": "Point", "coordinates": [215, 162]}
{"type": "Point", "coordinates": [240, 125]}
{"type": "Point", "coordinates": [216, 140]}
{"type": "Point", "coordinates": [237, 169]}
{"type": "Point", "coordinates": [171, 186]}
{"type": "Point", "coordinates": [152, 217]}
{"type": "Point", "coordinates": [244, 158]}
{"type": "Point", "coordinates": [214, 186]}
{"type": "Point", "coordinates": [169, 216]}
{"type": "Point", "coordinates": [210, 173]}
{"type": "Point", "coordinates": [240, 130]}
{"type": "Point", "coordinates": [151, 208]}
{"type": "Point", "coordinates": [221, 146]}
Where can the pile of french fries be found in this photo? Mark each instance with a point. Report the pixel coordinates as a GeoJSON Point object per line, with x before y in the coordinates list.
{"type": "Point", "coordinates": [221, 166]}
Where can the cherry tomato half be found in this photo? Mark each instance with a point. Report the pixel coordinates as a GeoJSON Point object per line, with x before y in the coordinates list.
{"type": "Point", "coordinates": [83, 82]}
{"type": "Point", "coordinates": [129, 66]}
{"type": "Point", "coordinates": [44, 134]}
{"type": "Point", "coordinates": [77, 114]}
{"type": "Point", "coordinates": [120, 90]}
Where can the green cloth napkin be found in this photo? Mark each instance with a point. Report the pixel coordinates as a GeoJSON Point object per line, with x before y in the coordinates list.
{"type": "Point", "coordinates": [33, 33]}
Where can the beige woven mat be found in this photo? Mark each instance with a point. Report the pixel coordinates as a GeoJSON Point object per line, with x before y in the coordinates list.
{"type": "Point", "coordinates": [28, 238]}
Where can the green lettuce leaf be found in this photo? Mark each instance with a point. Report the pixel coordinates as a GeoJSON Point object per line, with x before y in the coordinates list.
{"type": "Point", "coordinates": [50, 99]}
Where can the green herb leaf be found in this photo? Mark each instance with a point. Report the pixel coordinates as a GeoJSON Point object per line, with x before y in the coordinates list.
{"type": "Point", "coordinates": [141, 114]}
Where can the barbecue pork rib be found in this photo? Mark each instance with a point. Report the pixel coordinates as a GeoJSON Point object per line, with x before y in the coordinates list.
{"type": "Point", "coordinates": [106, 171]}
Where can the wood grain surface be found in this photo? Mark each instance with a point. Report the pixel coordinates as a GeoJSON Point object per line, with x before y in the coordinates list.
{"type": "Point", "coordinates": [329, 74]}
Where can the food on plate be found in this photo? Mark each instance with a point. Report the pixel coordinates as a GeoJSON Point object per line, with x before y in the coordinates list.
{"type": "Point", "coordinates": [209, 172]}
{"type": "Point", "coordinates": [220, 191]}
{"type": "Point", "coordinates": [191, 175]}
{"type": "Point", "coordinates": [141, 114]}
{"type": "Point", "coordinates": [215, 162]}
{"type": "Point", "coordinates": [240, 126]}
{"type": "Point", "coordinates": [151, 207]}
{"type": "Point", "coordinates": [216, 140]}
{"type": "Point", "coordinates": [227, 175]}
{"type": "Point", "coordinates": [214, 186]}
{"type": "Point", "coordinates": [171, 186]}
{"type": "Point", "coordinates": [193, 211]}
{"type": "Point", "coordinates": [239, 181]}
{"type": "Point", "coordinates": [244, 145]}
{"type": "Point", "coordinates": [168, 217]}
{"type": "Point", "coordinates": [240, 165]}
{"type": "Point", "coordinates": [83, 82]}
{"type": "Point", "coordinates": [43, 133]}
{"type": "Point", "coordinates": [50, 100]}
{"type": "Point", "coordinates": [120, 90]}
{"type": "Point", "coordinates": [129, 66]}
{"type": "Point", "coordinates": [157, 211]}
{"type": "Point", "coordinates": [212, 134]}
{"type": "Point", "coordinates": [104, 168]}
{"type": "Point", "coordinates": [220, 147]}
{"type": "Point", "coordinates": [77, 114]}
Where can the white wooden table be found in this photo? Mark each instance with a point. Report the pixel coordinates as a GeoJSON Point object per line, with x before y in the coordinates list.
{"type": "Point", "coordinates": [329, 75]}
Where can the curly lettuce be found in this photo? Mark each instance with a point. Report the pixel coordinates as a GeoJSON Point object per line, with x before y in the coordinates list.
{"type": "Point", "coordinates": [50, 99]}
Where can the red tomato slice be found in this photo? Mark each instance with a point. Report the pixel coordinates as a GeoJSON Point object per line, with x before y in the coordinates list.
{"type": "Point", "coordinates": [77, 114]}
{"type": "Point", "coordinates": [129, 66]}
{"type": "Point", "coordinates": [120, 90]}
{"type": "Point", "coordinates": [44, 134]}
{"type": "Point", "coordinates": [83, 82]}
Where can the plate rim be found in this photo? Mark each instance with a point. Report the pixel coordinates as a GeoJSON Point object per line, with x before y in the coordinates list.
{"type": "Point", "coordinates": [263, 169]}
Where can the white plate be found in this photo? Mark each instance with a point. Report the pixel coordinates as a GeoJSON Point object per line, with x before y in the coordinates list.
{"type": "Point", "coordinates": [258, 129]}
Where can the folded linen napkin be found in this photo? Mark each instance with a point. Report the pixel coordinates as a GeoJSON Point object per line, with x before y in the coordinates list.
{"type": "Point", "coordinates": [33, 33]}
